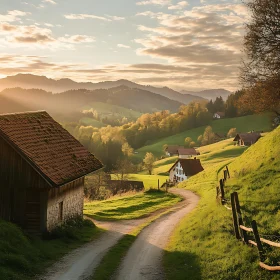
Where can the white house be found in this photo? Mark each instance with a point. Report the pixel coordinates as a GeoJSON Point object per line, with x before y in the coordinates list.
{"type": "Point", "coordinates": [182, 169]}
{"type": "Point", "coordinates": [219, 115]}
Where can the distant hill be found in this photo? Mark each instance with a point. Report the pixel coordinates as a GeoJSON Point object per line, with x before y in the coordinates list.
{"type": "Point", "coordinates": [209, 93]}
{"type": "Point", "coordinates": [70, 103]}
{"type": "Point", "coordinates": [28, 81]}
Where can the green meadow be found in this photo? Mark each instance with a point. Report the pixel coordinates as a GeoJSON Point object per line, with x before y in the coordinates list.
{"type": "Point", "coordinates": [203, 245]}
{"type": "Point", "coordinates": [130, 207]}
{"type": "Point", "coordinates": [242, 124]}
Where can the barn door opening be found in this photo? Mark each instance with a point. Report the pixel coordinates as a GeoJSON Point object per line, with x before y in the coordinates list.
{"type": "Point", "coordinates": [32, 211]}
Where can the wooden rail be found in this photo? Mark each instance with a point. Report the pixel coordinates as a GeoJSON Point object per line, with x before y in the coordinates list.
{"type": "Point", "coordinates": [246, 228]}
{"type": "Point", "coordinates": [271, 243]}
{"type": "Point", "coordinates": [268, 267]}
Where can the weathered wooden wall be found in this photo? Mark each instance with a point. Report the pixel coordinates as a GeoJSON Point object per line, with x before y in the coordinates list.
{"type": "Point", "coordinates": [17, 178]}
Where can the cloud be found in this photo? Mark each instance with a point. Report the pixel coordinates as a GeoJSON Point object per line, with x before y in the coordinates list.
{"type": "Point", "coordinates": [36, 36]}
{"type": "Point", "coordinates": [123, 46]}
{"type": "Point", "coordinates": [89, 16]}
{"type": "Point", "coordinates": [12, 16]}
{"type": "Point", "coordinates": [76, 39]}
{"type": "Point", "coordinates": [50, 1]}
{"type": "Point", "coordinates": [179, 6]}
{"type": "Point", "coordinates": [154, 2]}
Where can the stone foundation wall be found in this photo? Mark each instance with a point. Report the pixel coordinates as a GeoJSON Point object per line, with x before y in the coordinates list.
{"type": "Point", "coordinates": [72, 198]}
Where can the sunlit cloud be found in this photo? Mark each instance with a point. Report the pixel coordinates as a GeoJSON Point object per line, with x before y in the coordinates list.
{"type": "Point", "coordinates": [179, 6]}
{"type": "Point", "coordinates": [11, 16]}
{"type": "Point", "coordinates": [88, 16]}
{"type": "Point", "coordinates": [123, 46]}
{"type": "Point", "coordinates": [154, 2]}
{"type": "Point", "coordinates": [50, 1]}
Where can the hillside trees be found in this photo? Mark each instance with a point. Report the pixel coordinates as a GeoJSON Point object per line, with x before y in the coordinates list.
{"type": "Point", "coordinates": [261, 70]}
{"type": "Point", "coordinates": [208, 136]}
{"type": "Point", "coordinates": [232, 133]}
{"type": "Point", "coordinates": [188, 141]}
{"type": "Point", "coordinates": [149, 162]}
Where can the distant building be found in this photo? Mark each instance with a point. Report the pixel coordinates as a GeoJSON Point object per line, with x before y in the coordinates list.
{"type": "Point", "coordinates": [182, 169]}
{"type": "Point", "coordinates": [187, 153]}
{"type": "Point", "coordinates": [172, 150]}
{"type": "Point", "coordinates": [219, 115]}
{"type": "Point", "coordinates": [42, 170]}
{"type": "Point", "coordinates": [247, 139]}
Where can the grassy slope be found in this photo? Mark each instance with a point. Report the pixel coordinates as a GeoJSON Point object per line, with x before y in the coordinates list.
{"type": "Point", "coordinates": [150, 181]}
{"type": "Point", "coordinates": [203, 246]}
{"type": "Point", "coordinates": [243, 124]}
{"type": "Point", "coordinates": [21, 257]}
{"type": "Point", "coordinates": [130, 207]}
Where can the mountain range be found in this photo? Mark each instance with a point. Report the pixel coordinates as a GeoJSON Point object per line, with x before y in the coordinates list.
{"type": "Point", "coordinates": [29, 81]}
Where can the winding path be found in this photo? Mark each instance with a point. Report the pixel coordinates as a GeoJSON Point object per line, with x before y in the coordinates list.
{"type": "Point", "coordinates": [143, 260]}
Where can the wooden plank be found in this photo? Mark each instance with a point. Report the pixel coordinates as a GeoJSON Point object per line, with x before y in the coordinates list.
{"type": "Point", "coordinates": [271, 243]}
{"type": "Point", "coordinates": [246, 228]}
{"type": "Point", "coordinates": [228, 172]}
{"type": "Point", "coordinates": [252, 242]}
{"type": "Point", "coordinates": [268, 267]}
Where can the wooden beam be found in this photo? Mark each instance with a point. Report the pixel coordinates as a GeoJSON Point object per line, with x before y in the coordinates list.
{"type": "Point", "coordinates": [257, 239]}
{"type": "Point", "coordinates": [268, 267]}
{"type": "Point", "coordinates": [271, 243]}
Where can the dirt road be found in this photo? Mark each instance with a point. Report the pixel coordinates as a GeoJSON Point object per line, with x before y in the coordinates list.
{"type": "Point", "coordinates": [143, 260]}
{"type": "Point", "coordinates": [80, 263]}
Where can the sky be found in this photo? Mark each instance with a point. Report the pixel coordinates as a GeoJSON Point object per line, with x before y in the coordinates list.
{"type": "Point", "coordinates": [190, 45]}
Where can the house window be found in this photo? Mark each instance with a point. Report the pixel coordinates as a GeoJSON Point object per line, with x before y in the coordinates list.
{"type": "Point", "coordinates": [60, 211]}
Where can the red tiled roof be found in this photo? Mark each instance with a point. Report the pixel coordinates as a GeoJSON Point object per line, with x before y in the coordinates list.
{"type": "Point", "coordinates": [190, 166]}
{"type": "Point", "coordinates": [190, 151]}
{"type": "Point", "coordinates": [56, 154]}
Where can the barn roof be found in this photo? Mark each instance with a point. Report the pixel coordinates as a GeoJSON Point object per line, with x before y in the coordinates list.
{"type": "Point", "coordinates": [251, 137]}
{"type": "Point", "coordinates": [184, 152]}
{"type": "Point", "coordinates": [173, 149]}
{"type": "Point", "coordinates": [190, 166]}
{"type": "Point", "coordinates": [48, 147]}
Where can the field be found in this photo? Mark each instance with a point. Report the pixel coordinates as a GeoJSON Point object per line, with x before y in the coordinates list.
{"type": "Point", "coordinates": [130, 207]}
{"type": "Point", "coordinates": [203, 246]}
{"type": "Point", "coordinates": [242, 124]}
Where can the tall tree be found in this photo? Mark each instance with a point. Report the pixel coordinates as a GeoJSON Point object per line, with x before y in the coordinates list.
{"type": "Point", "coordinates": [261, 70]}
{"type": "Point", "coordinates": [149, 162]}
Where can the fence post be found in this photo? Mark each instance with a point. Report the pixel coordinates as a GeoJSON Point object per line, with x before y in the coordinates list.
{"type": "Point", "coordinates": [158, 184]}
{"type": "Point", "coordinates": [225, 175]}
{"type": "Point", "coordinates": [234, 216]}
{"type": "Point", "coordinates": [243, 233]}
{"type": "Point", "coordinates": [257, 239]}
{"type": "Point", "coordinates": [218, 191]}
{"type": "Point", "coordinates": [222, 191]}
{"type": "Point", "coordinates": [228, 172]}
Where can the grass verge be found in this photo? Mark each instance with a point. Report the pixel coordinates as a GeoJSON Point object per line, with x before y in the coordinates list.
{"type": "Point", "coordinates": [130, 207]}
{"type": "Point", "coordinates": [23, 256]}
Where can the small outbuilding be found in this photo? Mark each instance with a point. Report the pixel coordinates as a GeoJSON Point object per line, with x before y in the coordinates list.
{"type": "Point", "coordinates": [219, 115]}
{"type": "Point", "coordinates": [247, 139]}
{"type": "Point", "coordinates": [187, 153]}
{"type": "Point", "coordinates": [172, 150]}
{"type": "Point", "coordinates": [182, 169]}
{"type": "Point", "coordinates": [42, 171]}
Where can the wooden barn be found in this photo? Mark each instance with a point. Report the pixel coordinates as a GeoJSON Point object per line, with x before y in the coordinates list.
{"type": "Point", "coordinates": [247, 139]}
{"type": "Point", "coordinates": [42, 170]}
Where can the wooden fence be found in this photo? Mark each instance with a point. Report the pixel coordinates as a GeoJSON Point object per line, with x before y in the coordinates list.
{"type": "Point", "coordinates": [249, 236]}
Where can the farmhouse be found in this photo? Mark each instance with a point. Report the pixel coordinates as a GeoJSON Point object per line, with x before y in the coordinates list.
{"type": "Point", "coordinates": [247, 139]}
{"type": "Point", "coordinates": [172, 150]}
{"type": "Point", "coordinates": [219, 137]}
{"type": "Point", "coordinates": [219, 115]}
{"type": "Point", "coordinates": [187, 153]}
{"type": "Point", "coordinates": [42, 170]}
{"type": "Point", "coordinates": [182, 169]}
